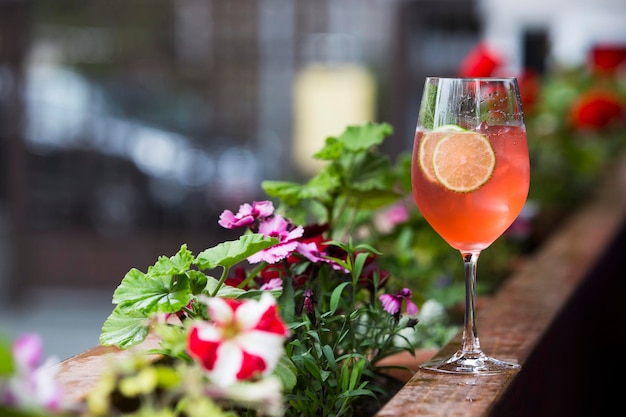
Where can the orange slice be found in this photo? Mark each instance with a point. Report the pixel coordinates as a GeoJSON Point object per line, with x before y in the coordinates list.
{"type": "Point", "coordinates": [463, 161]}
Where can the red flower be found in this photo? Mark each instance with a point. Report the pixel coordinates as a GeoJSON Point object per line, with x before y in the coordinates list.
{"type": "Point", "coordinates": [607, 58]}
{"type": "Point", "coordinates": [596, 109]}
{"type": "Point", "coordinates": [480, 62]}
{"type": "Point", "coordinates": [236, 276]}
{"type": "Point", "coordinates": [529, 85]}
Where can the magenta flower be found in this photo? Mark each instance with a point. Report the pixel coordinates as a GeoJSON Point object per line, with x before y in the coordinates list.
{"type": "Point", "coordinates": [246, 215]}
{"type": "Point", "coordinates": [313, 253]}
{"type": "Point", "coordinates": [287, 235]}
{"type": "Point", "coordinates": [243, 339]}
{"type": "Point", "coordinates": [392, 303]}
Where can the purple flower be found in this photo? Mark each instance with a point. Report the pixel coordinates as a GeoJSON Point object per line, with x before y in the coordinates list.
{"type": "Point", "coordinates": [246, 215]}
{"type": "Point", "coordinates": [393, 303]}
{"type": "Point", "coordinates": [287, 236]}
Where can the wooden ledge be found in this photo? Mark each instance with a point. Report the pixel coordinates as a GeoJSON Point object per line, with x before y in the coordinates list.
{"type": "Point", "coordinates": [526, 320]}
{"type": "Point", "coordinates": [80, 374]}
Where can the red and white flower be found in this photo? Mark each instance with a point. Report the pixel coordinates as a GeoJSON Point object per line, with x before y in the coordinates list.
{"type": "Point", "coordinates": [243, 339]}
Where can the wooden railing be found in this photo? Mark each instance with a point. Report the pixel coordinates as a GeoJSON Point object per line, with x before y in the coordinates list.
{"type": "Point", "coordinates": [548, 317]}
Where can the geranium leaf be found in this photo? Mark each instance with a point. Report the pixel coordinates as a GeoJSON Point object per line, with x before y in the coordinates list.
{"type": "Point", "coordinates": [363, 137]}
{"type": "Point", "coordinates": [198, 281]}
{"type": "Point", "coordinates": [124, 328]}
{"type": "Point", "coordinates": [229, 253]}
{"type": "Point", "coordinates": [332, 150]}
{"type": "Point", "coordinates": [177, 264]}
{"type": "Point", "coordinates": [370, 172]}
{"type": "Point", "coordinates": [149, 294]}
{"type": "Point", "coordinates": [321, 186]}
{"type": "Point", "coordinates": [373, 199]}
{"type": "Point", "coordinates": [286, 191]}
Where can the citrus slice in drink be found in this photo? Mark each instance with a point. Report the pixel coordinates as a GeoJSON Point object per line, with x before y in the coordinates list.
{"type": "Point", "coordinates": [427, 147]}
{"type": "Point", "coordinates": [463, 161]}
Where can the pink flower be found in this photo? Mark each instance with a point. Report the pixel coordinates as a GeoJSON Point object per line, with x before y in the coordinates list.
{"type": "Point", "coordinates": [33, 384]}
{"type": "Point", "coordinates": [243, 339]}
{"type": "Point", "coordinates": [287, 236]}
{"type": "Point", "coordinates": [314, 253]}
{"type": "Point", "coordinates": [27, 351]}
{"type": "Point", "coordinates": [393, 303]}
{"type": "Point", "coordinates": [391, 216]}
{"type": "Point", "coordinates": [272, 284]}
{"type": "Point", "coordinates": [246, 215]}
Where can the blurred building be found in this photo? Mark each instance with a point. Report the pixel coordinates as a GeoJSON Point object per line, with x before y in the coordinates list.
{"type": "Point", "coordinates": [127, 127]}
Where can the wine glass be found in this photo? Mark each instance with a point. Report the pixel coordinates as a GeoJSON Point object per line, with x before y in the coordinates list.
{"type": "Point", "coordinates": [470, 178]}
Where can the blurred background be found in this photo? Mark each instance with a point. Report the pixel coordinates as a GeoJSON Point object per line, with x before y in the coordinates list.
{"type": "Point", "coordinates": [127, 127]}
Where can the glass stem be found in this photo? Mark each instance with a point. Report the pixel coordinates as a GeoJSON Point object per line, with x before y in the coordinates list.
{"type": "Point", "coordinates": [470, 344]}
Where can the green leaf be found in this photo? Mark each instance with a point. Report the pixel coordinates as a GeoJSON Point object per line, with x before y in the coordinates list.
{"type": "Point", "coordinates": [370, 172]}
{"type": "Point", "coordinates": [359, 263]}
{"type": "Point", "coordinates": [285, 370]}
{"type": "Point", "coordinates": [256, 294]}
{"type": "Point", "coordinates": [124, 328]}
{"type": "Point", "coordinates": [225, 291]}
{"type": "Point", "coordinates": [287, 302]}
{"type": "Point", "coordinates": [166, 294]}
{"type": "Point", "coordinates": [6, 358]}
{"type": "Point", "coordinates": [336, 296]}
{"type": "Point", "coordinates": [332, 150]}
{"type": "Point", "coordinates": [227, 254]}
{"type": "Point", "coordinates": [312, 367]}
{"type": "Point", "coordinates": [197, 280]}
{"type": "Point", "coordinates": [363, 137]}
{"type": "Point", "coordinates": [330, 357]}
{"type": "Point", "coordinates": [177, 264]}
{"type": "Point", "coordinates": [357, 393]}
{"type": "Point", "coordinates": [286, 191]}
{"type": "Point", "coordinates": [373, 200]}
{"type": "Point", "coordinates": [322, 186]}
{"type": "Point", "coordinates": [357, 371]}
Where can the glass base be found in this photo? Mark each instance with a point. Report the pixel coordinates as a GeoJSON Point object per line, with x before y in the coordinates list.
{"type": "Point", "coordinates": [470, 363]}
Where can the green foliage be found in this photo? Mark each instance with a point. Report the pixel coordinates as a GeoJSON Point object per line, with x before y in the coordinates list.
{"type": "Point", "coordinates": [6, 358]}
{"type": "Point", "coordinates": [357, 177]}
{"type": "Point", "coordinates": [170, 285]}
